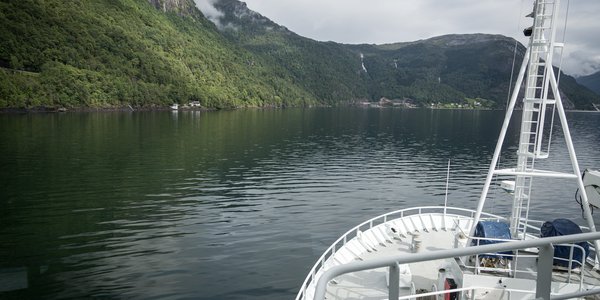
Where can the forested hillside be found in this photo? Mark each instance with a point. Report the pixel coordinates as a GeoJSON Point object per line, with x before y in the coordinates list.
{"type": "Point", "coordinates": [151, 53]}
{"type": "Point", "coordinates": [446, 68]}
{"type": "Point", "coordinates": [108, 53]}
{"type": "Point", "coordinates": [329, 70]}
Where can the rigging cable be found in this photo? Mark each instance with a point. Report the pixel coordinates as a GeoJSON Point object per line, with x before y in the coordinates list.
{"type": "Point", "coordinates": [512, 70]}
{"type": "Point", "coordinates": [564, 37]}
{"type": "Point", "coordinates": [559, 72]}
{"type": "Point", "coordinates": [563, 41]}
{"type": "Point", "coordinates": [580, 202]}
{"type": "Point", "coordinates": [577, 192]}
{"type": "Point", "coordinates": [510, 82]}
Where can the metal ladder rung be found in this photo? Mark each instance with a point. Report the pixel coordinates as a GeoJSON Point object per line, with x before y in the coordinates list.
{"type": "Point", "coordinates": [541, 155]}
{"type": "Point", "coordinates": [524, 196]}
{"type": "Point", "coordinates": [539, 101]}
{"type": "Point", "coordinates": [536, 109]}
{"type": "Point", "coordinates": [528, 154]}
{"type": "Point", "coordinates": [545, 16]}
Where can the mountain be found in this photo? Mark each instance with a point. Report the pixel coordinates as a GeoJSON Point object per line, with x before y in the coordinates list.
{"type": "Point", "coordinates": [591, 81]}
{"type": "Point", "coordinates": [330, 71]}
{"type": "Point", "coordinates": [443, 69]}
{"type": "Point", "coordinates": [113, 53]}
{"type": "Point", "coordinates": [446, 68]}
{"type": "Point", "coordinates": [151, 53]}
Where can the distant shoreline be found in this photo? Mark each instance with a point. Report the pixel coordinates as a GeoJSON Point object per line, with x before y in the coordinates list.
{"type": "Point", "coordinates": [167, 108]}
{"type": "Point", "coordinates": [90, 109]}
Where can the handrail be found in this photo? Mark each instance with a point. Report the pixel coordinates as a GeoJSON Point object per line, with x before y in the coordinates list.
{"type": "Point", "coordinates": [571, 262]}
{"type": "Point", "coordinates": [592, 259]}
{"type": "Point", "coordinates": [331, 250]}
{"type": "Point", "coordinates": [398, 214]}
{"type": "Point", "coordinates": [546, 255]}
{"type": "Point", "coordinates": [471, 288]}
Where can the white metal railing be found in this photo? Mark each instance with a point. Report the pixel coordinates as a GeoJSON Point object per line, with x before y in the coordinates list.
{"type": "Point", "coordinates": [452, 212]}
{"type": "Point", "coordinates": [381, 219]}
{"type": "Point", "coordinates": [532, 231]}
{"type": "Point", "coordinates": [574, 268]}
{"type": "Point", "coordinates": [507, 290]}
{"type": "Point", "coordinates": [515, 257]}
{"type": "Point", "coordinates": [544, 263]}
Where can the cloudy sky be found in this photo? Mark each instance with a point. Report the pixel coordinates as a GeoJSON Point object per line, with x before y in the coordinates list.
{"type": "Point", "coordinates": [389, 21]}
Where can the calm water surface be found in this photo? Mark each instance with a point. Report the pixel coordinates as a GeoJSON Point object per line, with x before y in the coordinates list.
{"type": "Point", "coordinates": [231, 205]}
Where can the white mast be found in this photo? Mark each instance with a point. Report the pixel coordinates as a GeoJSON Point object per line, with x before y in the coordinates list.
{"type": "Point", "coordinates": [541, 94]}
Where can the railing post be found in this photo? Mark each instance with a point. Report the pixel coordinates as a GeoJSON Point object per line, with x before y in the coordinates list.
{"type": "Point", "coordinates": [394, 282]}
{"type": "Point", "coordinates": [546, 254]}
{"type": "Point", "coordinates": [544, 272]}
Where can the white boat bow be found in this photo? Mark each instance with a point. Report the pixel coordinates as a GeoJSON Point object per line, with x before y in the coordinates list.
{"type": "Point", "coordinates": [458, 253]}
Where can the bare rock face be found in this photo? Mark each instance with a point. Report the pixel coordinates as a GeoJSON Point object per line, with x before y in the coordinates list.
{"type": "Point", "coordinates": [181, 7]}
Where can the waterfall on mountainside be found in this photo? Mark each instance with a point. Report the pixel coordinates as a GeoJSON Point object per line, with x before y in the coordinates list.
{"type": "Point", "coordinates": [362, 63]}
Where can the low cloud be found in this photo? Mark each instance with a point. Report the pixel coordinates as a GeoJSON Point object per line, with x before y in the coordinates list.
{"type": "Point", "coordinates": [389, 21]}
{"type": "Point", "coordinates": [207, 7]}
{"type": "Point", "coordinates": [581, 62]}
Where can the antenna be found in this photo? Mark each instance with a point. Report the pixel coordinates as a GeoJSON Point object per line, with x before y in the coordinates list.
{"type": "Point", "coordinates": [447, 180]}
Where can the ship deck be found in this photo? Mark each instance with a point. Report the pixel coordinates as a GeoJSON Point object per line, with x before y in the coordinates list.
{"type": "Point", "coordinates": [513, 278]}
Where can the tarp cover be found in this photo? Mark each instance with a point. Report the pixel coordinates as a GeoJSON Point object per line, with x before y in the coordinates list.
{"type": "Point", "coordinates": [492, 230]}
{"type": "Point", "coordinates": [560, 227]}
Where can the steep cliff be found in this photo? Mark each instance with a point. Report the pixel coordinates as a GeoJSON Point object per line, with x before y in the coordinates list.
{"type": "Point", "coordinates": [182, 7]}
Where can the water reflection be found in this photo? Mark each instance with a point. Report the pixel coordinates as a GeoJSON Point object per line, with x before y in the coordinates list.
{"type": "Point", "coordinates": [162, 204]}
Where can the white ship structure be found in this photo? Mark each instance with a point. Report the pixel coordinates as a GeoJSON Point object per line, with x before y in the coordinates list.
{"type": "Point", "coordinates": [458, 253]}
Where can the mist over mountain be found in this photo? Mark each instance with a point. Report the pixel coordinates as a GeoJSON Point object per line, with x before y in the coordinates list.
{"type": "Point", "coordinates": [151, 53]}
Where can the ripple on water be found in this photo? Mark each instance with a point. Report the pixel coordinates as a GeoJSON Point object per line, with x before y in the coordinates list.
{"type": "Point", "coordinates": [157, 206]}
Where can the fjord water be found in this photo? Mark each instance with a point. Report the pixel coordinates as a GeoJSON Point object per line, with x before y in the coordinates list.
{"type": "Point", "coordinates": [232, 204]}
